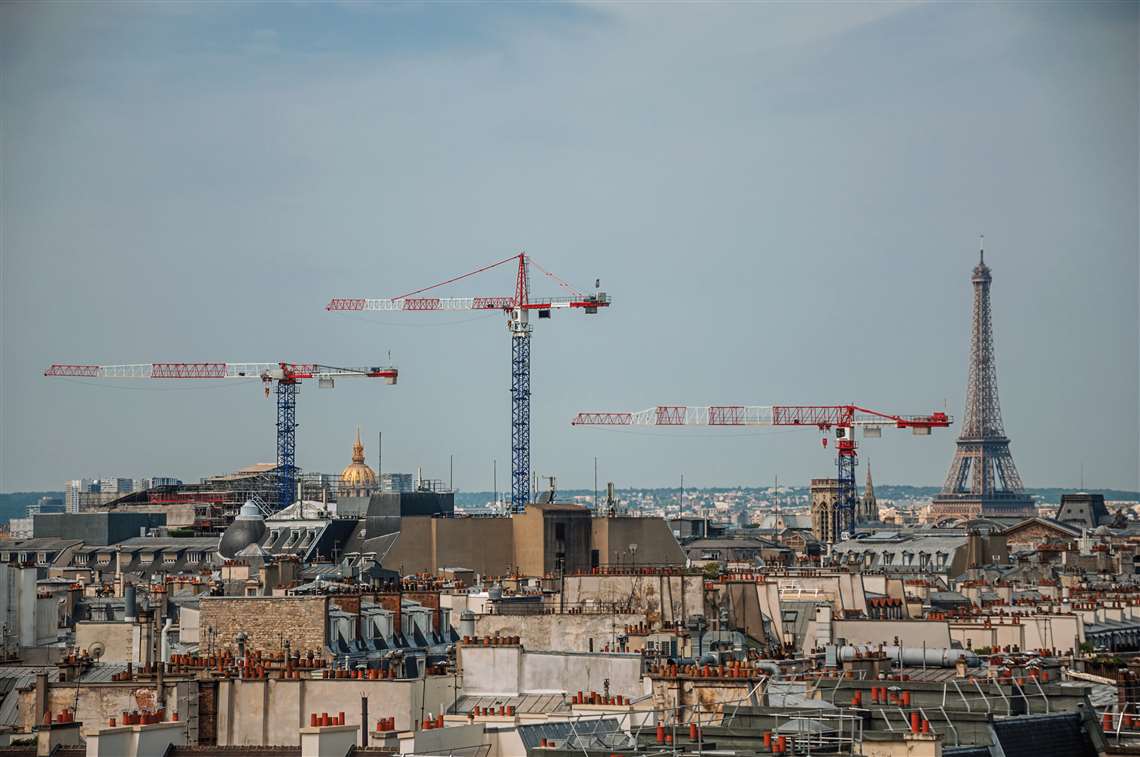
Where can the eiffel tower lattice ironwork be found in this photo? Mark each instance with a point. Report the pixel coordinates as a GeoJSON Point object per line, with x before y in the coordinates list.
{"type": "Point", "coordinates": [983, 478]}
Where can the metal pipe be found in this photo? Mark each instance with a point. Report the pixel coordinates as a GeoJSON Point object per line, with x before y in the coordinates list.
{"type": "Point", "coordinates": [131, 608]}
{"type": "Point", "coordinates": [940, 657]}
{"type": "Point", "coordinates": [164, 642]}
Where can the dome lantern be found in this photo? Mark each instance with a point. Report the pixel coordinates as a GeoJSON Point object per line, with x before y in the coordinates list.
{"type": "Point", "coordinates": [358, 480]}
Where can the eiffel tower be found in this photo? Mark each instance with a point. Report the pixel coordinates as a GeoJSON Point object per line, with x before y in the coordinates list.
{"type": "Point", "coordinates": [983, 479]}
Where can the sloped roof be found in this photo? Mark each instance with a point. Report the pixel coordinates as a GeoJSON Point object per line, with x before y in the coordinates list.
{"type": "Point", "coordinates": [1036, 735]}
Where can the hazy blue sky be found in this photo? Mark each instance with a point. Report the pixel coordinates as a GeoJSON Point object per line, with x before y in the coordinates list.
{"type": "Point", "coordinates": [782, 199]}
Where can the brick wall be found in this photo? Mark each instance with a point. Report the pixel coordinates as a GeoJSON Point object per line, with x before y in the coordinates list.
{"type": "Point", "coordinates": [390, 601]}
{"type": "Point", "coordinates": [267, 621]}
{"type": "Point", "coordinates": [427, 599]}
{"type": "Point", "coordinates": [350, 603]}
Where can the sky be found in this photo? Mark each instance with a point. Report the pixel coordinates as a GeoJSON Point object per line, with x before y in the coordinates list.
{"type": "Point", "coordinates": [782, 200]}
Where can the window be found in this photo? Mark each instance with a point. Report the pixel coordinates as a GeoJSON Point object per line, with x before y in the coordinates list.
{"type": "Point", "coordinates": [81, 559]}
{"type": "Point", "coordinates": [5, 557]}
{"type": "Point", "coordinates": [560, 531]}
{"type": "Point", "coordinates": [42, 558]}
{"type": "Point", "coordinates": [105, 558]}
{"type": "Point", "coordinates": [169, 557]}
{"type": "Point", "coordinates": [193, 557]}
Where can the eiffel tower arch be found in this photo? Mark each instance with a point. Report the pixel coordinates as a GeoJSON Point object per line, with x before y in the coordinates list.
{"type": "Point", "coordinates": [983, 479]}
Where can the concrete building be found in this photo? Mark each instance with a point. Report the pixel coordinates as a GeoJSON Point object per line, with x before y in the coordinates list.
{"type": "Point", "coordinates": [20, 528]}
{"type": "Point", "coordinates": [95, 528]}
{"type": "Point", "coordinates": [512, 670]}
{"type": "Point", "coordinates": [116, 485]}
{"type": "Point", "coordinates": [543, 540]}
{"type": "Point", "coordinates": [74, 488]}
{"type": "Point", "coordinates": [47, 505]}
{"type": "Point", "coordinates": [397, 482]}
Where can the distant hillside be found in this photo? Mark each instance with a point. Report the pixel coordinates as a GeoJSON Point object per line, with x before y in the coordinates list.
{"type": "Point", "coordinates": [15, 504]}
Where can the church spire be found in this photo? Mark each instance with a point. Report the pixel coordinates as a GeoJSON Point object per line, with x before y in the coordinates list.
{"type": "Point", "coordinates": [358, 448]}
{"type": "Point", "coordinates": [868, 505]}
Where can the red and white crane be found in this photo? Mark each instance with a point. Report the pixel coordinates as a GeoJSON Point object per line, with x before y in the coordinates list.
{"type": "Point", "coordinates": [842, 418]}
{"type": "Point", "coordinates": [284, 376]}
{"type": "Point", "coordinates": [517, 309]}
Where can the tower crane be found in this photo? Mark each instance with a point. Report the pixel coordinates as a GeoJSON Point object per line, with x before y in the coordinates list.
{"type": "Point", "coordinates": [517, 308]}
{"type": "Point", "coordinates": [285, 377]}
{"type": "Point", "coordinates": [842, 418]}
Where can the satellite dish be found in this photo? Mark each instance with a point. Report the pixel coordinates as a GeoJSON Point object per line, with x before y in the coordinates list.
{"type": "Point", "coordinates": [96, 650]}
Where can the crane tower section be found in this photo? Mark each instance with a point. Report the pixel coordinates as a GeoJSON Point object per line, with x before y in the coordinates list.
{"type": "Point", "coordinates": [517, 308]}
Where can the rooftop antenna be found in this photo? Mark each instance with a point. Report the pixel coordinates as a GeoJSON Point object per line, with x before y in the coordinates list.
{"type": "Point", "coordinates": [981, 248]}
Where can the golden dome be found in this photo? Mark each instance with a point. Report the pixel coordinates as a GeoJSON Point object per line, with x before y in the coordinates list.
{"type": "Point", "coordinates": [358, 475]}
